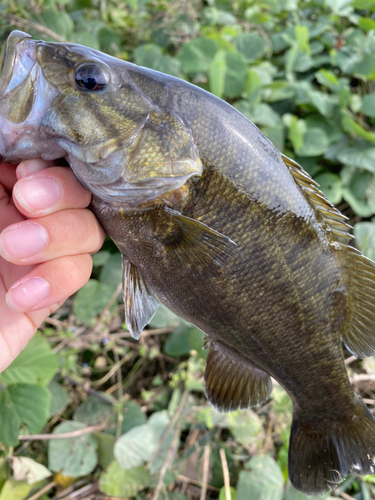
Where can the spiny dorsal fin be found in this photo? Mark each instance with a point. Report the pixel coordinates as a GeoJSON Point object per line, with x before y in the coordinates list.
{"type": "Point", "coordinates": [232, 383]}
{"type": "Point", "coordinates": [338, 228]}
{"type": "Point", "coordinates": [140, 301]}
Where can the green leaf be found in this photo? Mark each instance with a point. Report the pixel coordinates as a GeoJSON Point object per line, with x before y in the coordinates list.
{"type": "Point", "coordinates": [24, 409]}
{"type": "Point", "coordinates": [217, 72]}
{"type": "Point", "coordinates": [245, 426]}
{"type": "Point", "coordinates": [93, 411]}
{"type": "Point", "coordinates": [323, 102]}
{"type": "Point", "coordinates": [331, 186]}
{"type": "Point", "coordinates": [315, 143]}
{"type": "Point", "coordinates": [328, 79]}
{"type": "Point", "coordinates": [15, 490]}
{"type": "Point", "coordinates": [178, 343]}
{"type": "Point", "coordinates": [197, 55]}
{"type": "Point", "coordinates": [302, 37]}
{"type": "Point", "coordinates": [293, 494]}
{"type": "Point", "coordinates": [278, 91]}
{"type": "Point", "coordinates": [297, 130]}
{"type": "Point", "coordinates": [4, 471]}
{"type": "Point", "coordinates": [91, 300]}
{"type": "Point", "coordinates": [354, 128]}
{"type": "Point", "coordinates": [253, 86]}
{"type": "Point", "coordinates": [85, 38]}
{"type": "Point", "coordinates": [111, 273]}
{"type": "Point", "coordinates": [26, 469]}
{"type": "Point", "coordinates": [164, 317]}
{"type": "Point", "coordinates": [364, 233]}
{"type": "Point", "coordinates": [136, 446]}
{"type": "Point", "coordinates": [366, 24]}
{"type": "Point", "coordinates": [59, 398]}
{"type": "Point", "coordinates": [106, 443]}
{"type": "Point", "coordinates": [361, 155]}
{"type": "Point", "coordinates": [368, 105]}
{"type": "Point", "coordinates": [236, 75]}
{"type": "Point", "coordinates": [252, 46]}
{"type": "Point", "coordinates": [264, 482]}
{"type": "Point", "coordinates": [359, 191]}
{"type": "Point", "coordinates": [223, 496]}
{"type": "Point", "coordinates": [72, 457]}
{"type": "Point", "coordinates": [121, 483]}
{"type": "Point", "coordinates": [36, 364]}
{"type": "Point", "coordinates": [59, 22]}
{"type": "Point", "coordinates": [363, 4]}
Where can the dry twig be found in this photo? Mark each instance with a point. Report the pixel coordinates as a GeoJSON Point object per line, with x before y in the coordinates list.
{"type": "Point", "coordinates": [206, 468]}
{"type": "Point", "coordinates": [66, 435]}
{"type": "Point", "coordinates": [43, 490]}
{"type": "Point", "coordinates": [224, 466]}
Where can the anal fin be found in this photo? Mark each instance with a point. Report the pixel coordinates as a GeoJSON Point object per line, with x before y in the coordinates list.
{"type": "Point", "coordinates": [140, 301]}
{"type": "Point", "coordinates": [232, 383]}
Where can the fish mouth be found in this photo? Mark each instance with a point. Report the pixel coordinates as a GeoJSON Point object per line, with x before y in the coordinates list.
{"type": "Point", "coordinates": [25, 96]}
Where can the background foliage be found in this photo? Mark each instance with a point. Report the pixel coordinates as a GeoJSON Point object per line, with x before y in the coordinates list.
{"type": "Point", "coordinates": [136, 415]}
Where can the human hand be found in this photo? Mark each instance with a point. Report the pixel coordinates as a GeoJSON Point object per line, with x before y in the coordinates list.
{"type": "Point", "coordinates": [46, 237]}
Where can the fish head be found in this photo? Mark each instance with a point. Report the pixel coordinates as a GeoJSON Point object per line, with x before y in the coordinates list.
{"type": "Point", "coordinates": [66, 100]}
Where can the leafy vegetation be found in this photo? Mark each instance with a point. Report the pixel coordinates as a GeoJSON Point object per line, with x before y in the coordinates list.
{"type": "Point", "coordinates": [135, 416]}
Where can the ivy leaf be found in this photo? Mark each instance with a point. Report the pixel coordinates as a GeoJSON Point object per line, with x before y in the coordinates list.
{"type": "Point", "coordinates": [264, 482]}
{"type": "Point", "coordinates": [136, 446]}
{"type": "Point", "coordinates": [36, 364]}
{"type": "Point", "coordinates": [252, 46]}
{"type": "Point", "coordinates": [196, 55]}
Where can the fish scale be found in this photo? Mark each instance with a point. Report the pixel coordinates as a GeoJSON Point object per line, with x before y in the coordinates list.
{"type": "Point", "coordinates": [214, 222]}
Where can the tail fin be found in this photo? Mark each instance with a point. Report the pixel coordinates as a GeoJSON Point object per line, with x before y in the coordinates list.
{"type": "Point", "coordinates": [322, 453]}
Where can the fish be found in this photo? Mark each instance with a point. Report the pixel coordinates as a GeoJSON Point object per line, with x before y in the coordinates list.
{"type": "Point", "coordinates": [221, 227]}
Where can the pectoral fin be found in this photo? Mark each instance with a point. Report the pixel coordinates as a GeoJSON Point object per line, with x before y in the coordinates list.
{"type": "Point", "coordinates": [140, 301]}
{"type": "Point", "coordinates": [233, 384]}
{"type": "Point", "coordinates": [193, 243]}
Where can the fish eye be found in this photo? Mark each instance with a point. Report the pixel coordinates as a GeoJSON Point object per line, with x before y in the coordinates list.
{"type": "Point", "coordinates": [91, 77]}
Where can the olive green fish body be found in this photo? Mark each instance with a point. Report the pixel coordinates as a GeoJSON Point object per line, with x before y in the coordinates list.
{"type": "Point", "coordinates": [218, 225]}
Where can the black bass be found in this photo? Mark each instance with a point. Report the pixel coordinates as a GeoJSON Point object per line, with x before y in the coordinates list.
{"type": "Point", "coordinates": [218, 225]}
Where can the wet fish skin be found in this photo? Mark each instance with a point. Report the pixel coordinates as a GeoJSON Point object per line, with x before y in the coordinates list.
{"type": "Point", "coordinates": [235, 238]}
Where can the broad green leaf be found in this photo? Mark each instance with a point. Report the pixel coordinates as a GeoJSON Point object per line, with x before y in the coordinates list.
{"type": "Point", "coordinates": [368, 105]}
{"type": "Point", "coordinates": [323, 102]}
{"type": "Point", "coordinates": [366, 24]}
{"type": "Point", "coordinates": [93, 411]}
{"type": "Point", "coordinates": [359, 191]}
{"type": "Point", "coordinates": [360, 155]}
{"type": "Point", "coordinates": [315, 142]}
{"type": "Point", "coordinates": [100, 258]}
{"type": "Point", "coordinates": [302, 37]}
{"type": "Point", "coordinates": [354, 128]}
{"type": "Point", "coordinates": [132, 416]}
{"type": "Point", "coordinates": [59, 22]}
{"type": "Point", "coordinates": [109, 40]}
{"type": "Point", "coordinates": [85, 38]}
{"type": "Point", "coordinates": [328, 79]}
{"type": "Point", "coordinates": [24, 409]}
{"type": "Point", "coordinates": [253, 86]}
{"type": "Point", "coordinates": [178, 343]}
{"type": "Point", "coordinates": [297, 130]}
{"type": "Point", "coordinates": [59, 398]}
{"type": "Point", "coordinates": [223, 495]}
{"type": "Point", "coordinates": [276, 135]}
{"type": "Point", "coordinates": [72, 457]}
{"type": "Point", "coordinates": [151, 56]}
{"type": "Point", "coordinates": [293, 494]}
{"type": "Point", "coordinates": [364, 233]}
{"type": "Point", "coordinates": [15, 490]}
{"type": "Point", "coordinates": [196, 55]}
{"type": "Point", "coordinates": [106, 443]}
{"type": "Point", "coordinates": [363, 4]}
{"type": "Point", "coordinates": [278, 91]}
{"type": "Point", "coordinates": [4, 471]}
{"type": "Point", "coordinates": [217, 72]}
{"type": "Point", "coordinates": [264, 482]}
{"type": "Point", "coordinates": [160, 420]}
{"type": "Point", "coordinates": [36, 364]}
{"type": "Point", "coordinates": [331, 186]}
{"type": "Point", "coordinates": [245, 426]}
{"type": "Point", "coordinates": [121, 483]}
{"type": "Point", "coordinates": [26, 469]}
{"type": "Point", "coordinates": [136, 446]}
{"type": "Point", "coordinates": [164, 317]}
{"type": "Point", "coordinates": [252, 46]}
{"type": "Point", "coordinates": [236, 74]}
{"type": "Point", "coordinates": [111, 273]}
{"type": "Point", "coordinates": [91, 300]}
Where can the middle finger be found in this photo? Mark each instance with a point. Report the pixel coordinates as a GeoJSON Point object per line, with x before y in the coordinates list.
{"type": "Point", "coordinates": [70, 232]}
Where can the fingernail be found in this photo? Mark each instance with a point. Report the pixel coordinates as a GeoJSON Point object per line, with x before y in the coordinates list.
{"type": "Point", "coordinates": [28, 167]}
{"type": "Point", "coordinates": [28, 294]}
{"type": "Point", "coordinates": [23, 240]}
{"type": "Point", "coordinates": [36, 194]}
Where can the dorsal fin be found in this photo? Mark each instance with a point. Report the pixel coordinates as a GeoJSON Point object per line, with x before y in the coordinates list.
{"type": "Point", "coordinates": [232, 383]}
{"type": "Point", "coordinates": [334, 219]}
